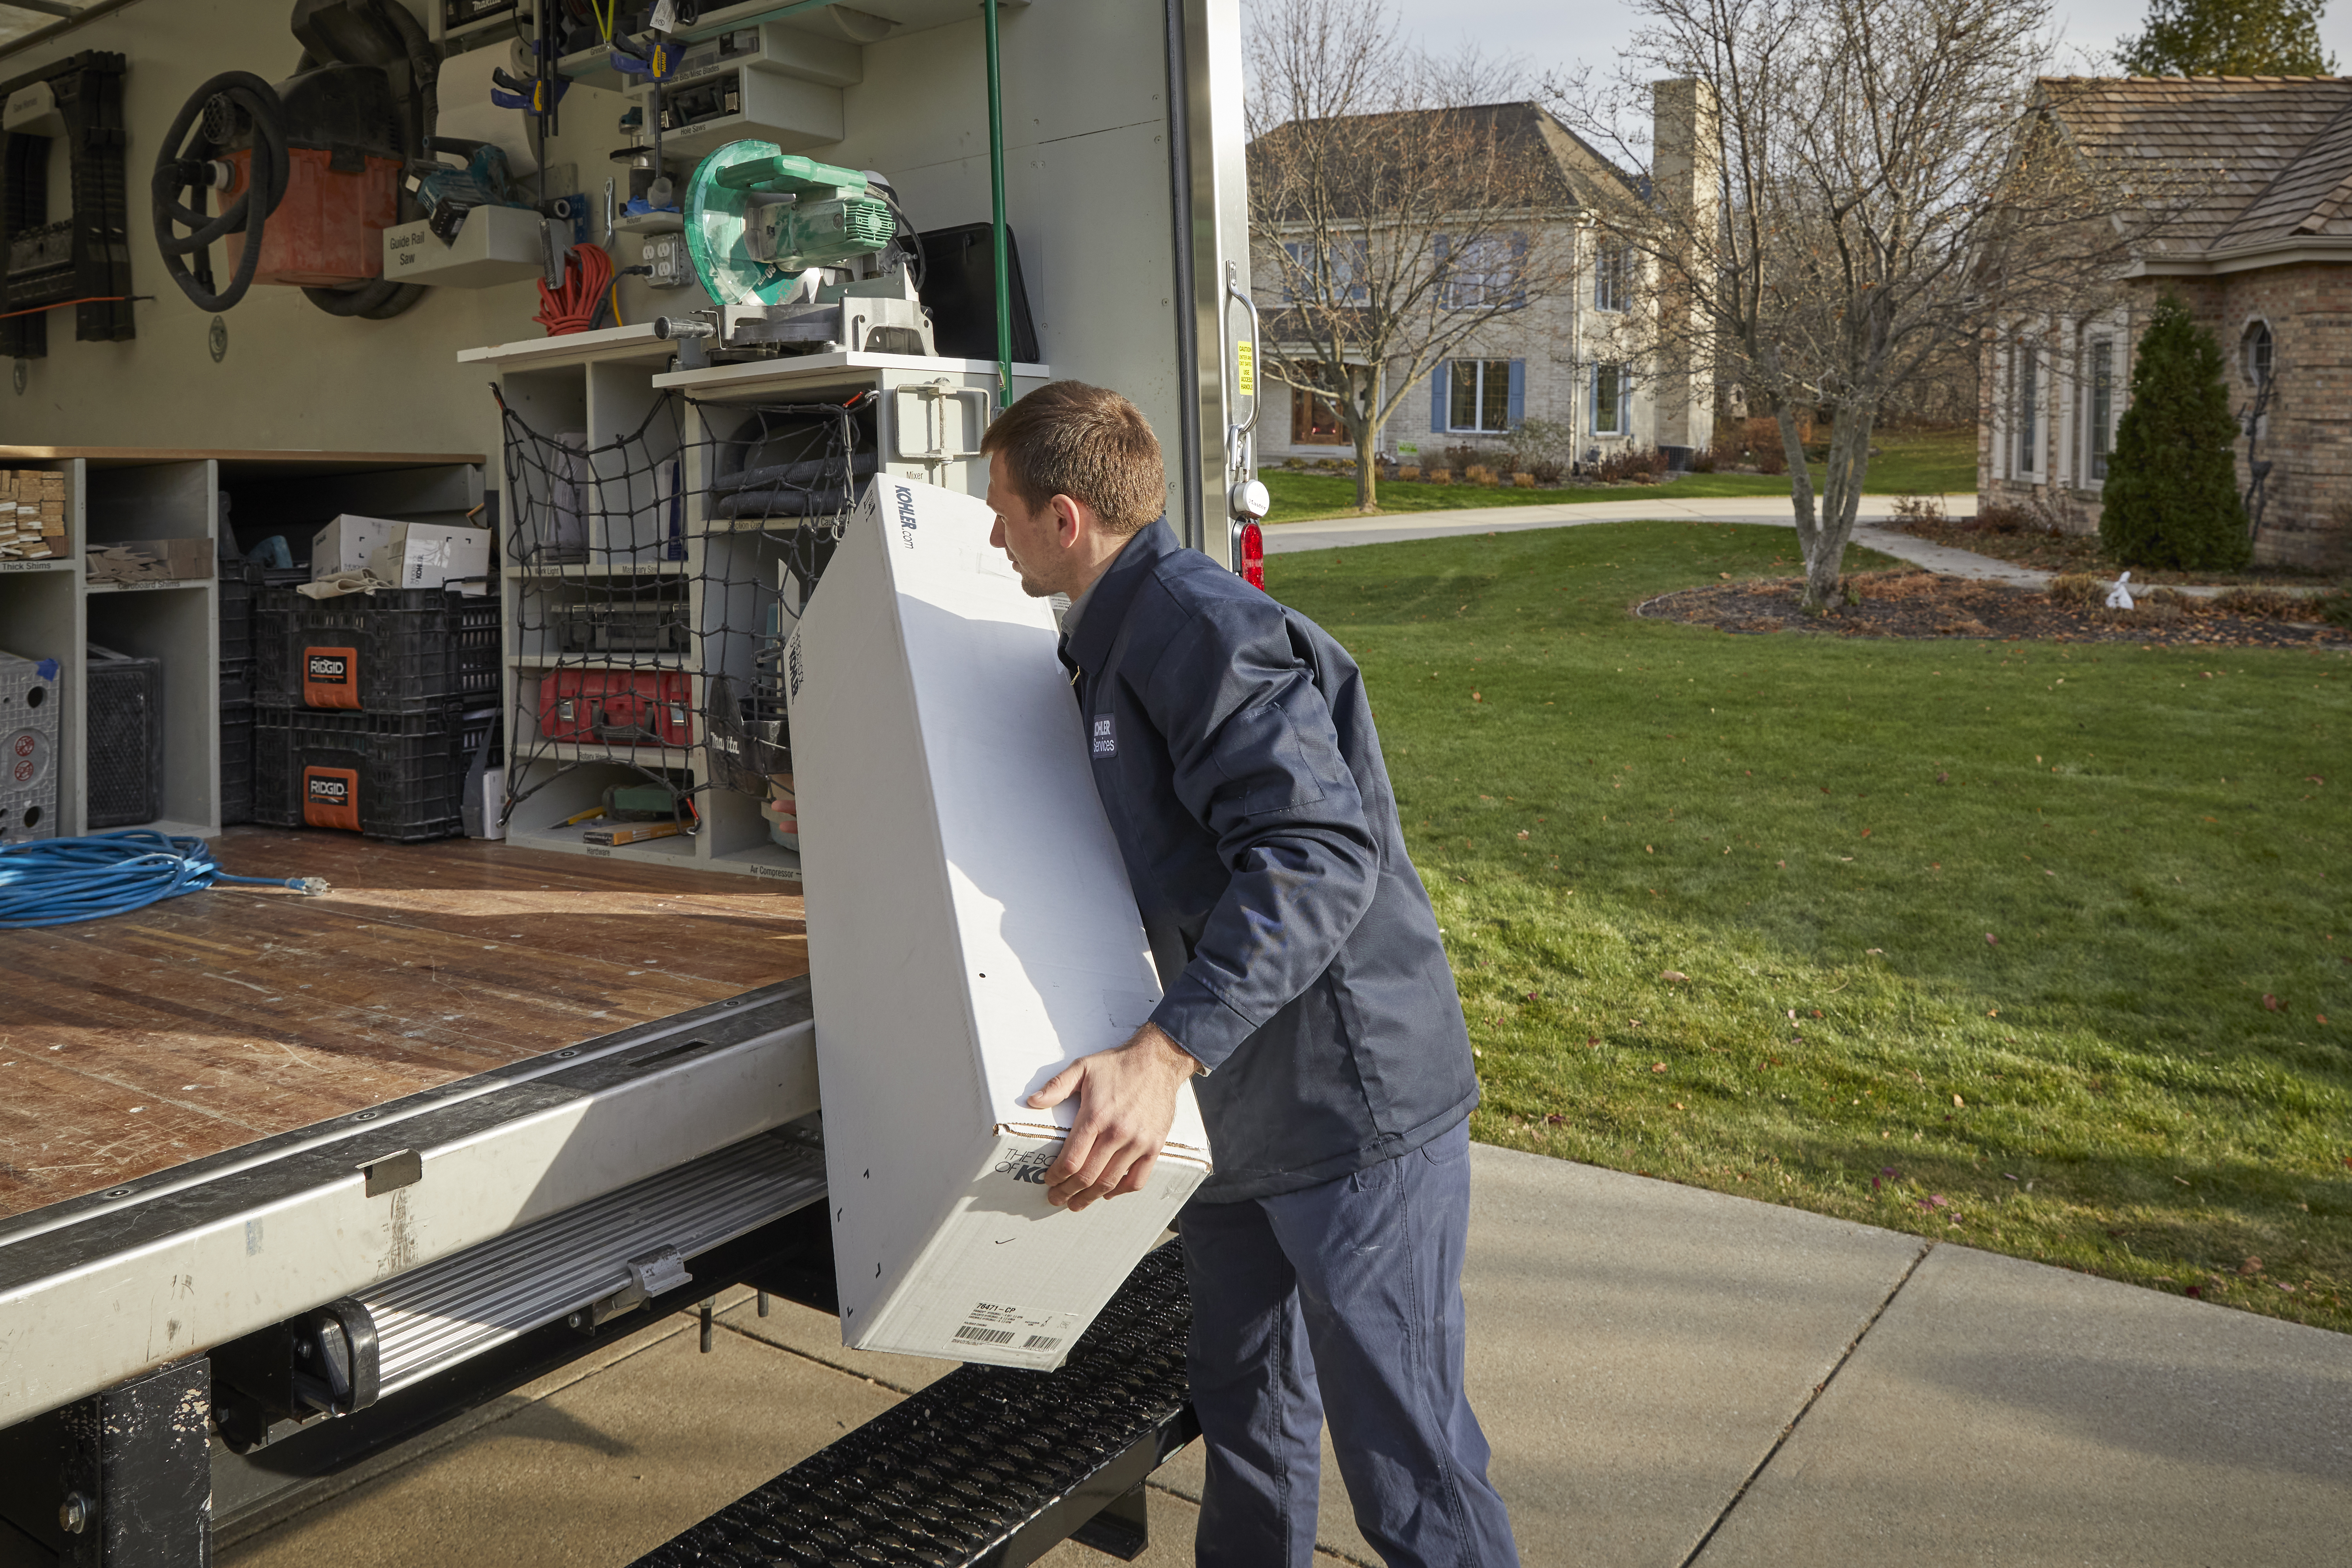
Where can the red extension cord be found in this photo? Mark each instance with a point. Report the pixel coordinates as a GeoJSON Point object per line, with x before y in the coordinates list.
{"type": "Point", "coordinates": [586, 275]}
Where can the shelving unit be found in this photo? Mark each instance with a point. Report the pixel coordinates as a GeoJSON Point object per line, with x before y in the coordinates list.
{"type": "Point", "coordinates": [50, 609]}
{"type": "Point", "coordinates": [929, 414]}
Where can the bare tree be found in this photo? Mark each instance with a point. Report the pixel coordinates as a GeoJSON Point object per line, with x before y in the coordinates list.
{"type": "Point", "coordinates": [1862, 163]}
{"type": "Point", "coordinates": [1394, 218]}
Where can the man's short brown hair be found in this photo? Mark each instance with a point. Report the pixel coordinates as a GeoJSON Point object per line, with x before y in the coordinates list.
{"type": "Point", "coordinates": [1087, 442]}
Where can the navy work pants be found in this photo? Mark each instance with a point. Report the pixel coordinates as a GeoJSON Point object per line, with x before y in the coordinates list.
{"type": "Point", "coordinates": [1361, 1280]}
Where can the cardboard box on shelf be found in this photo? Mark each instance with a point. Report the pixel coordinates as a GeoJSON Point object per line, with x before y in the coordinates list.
{"type": "Point", "coordinates": [970, 933]}
{"type": "Point", "coordinates": [428, 555]}
{"type": "Point", "coordinates": [345, 544]}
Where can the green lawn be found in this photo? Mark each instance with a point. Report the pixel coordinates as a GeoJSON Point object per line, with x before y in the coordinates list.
{"type": "Point", "coordinates": [1909, 462]}
{"type": "Point", "coordinates": [1978, 937]}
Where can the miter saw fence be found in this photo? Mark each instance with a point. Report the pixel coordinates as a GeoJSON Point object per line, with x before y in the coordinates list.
{"type": "Point", "coordinates": [798, 257]}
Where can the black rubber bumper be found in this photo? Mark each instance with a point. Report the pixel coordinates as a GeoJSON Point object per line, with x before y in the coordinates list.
{"type": "Point", "coordinates": [989, 1466]}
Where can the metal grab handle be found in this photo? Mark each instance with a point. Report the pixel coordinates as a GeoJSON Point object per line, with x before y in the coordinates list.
{"type": "Point", "coordinates": [1240, 443]}
{"type": "Point", "coordinates": [933, 394]}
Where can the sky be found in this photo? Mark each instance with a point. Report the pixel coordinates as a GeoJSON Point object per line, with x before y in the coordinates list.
{"type": "Point", "coordinates": [1546, 34]}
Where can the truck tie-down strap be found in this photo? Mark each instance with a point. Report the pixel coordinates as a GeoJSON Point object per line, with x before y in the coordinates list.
{"type": "Point", "coordinates": [989, 1466]}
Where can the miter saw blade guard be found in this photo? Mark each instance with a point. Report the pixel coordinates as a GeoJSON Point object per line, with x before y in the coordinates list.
{"type": "Point", "coordinates": [758, 218]}
{"type": "Point", "coordinates": [769, 234]}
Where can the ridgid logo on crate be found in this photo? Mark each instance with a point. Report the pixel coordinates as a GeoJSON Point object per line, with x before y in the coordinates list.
{"type": "Point", "coordinates": [330, 798]}
{"type": "Point", "coordinates": [331, 677]}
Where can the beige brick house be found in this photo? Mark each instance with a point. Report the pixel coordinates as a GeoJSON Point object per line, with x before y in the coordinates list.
{"type": "Point", "coordinates": [1578, 357]}
{"type": "Point", "coordinates": [2263, 257]}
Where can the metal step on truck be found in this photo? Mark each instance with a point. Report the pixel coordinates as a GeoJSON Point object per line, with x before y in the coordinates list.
{"type": "Point", "coordinates": [652, 296]}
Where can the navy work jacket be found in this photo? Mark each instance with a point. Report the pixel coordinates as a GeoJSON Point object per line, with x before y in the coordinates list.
{"type": "Point", "coordinates": [1233, 750]}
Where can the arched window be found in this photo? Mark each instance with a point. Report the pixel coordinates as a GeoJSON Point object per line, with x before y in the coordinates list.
{"type": "Point", "coordinates": [2254, 351]}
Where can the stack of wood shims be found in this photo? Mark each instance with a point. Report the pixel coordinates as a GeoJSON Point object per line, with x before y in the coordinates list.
{"type": "Point", "coordinates": [149, 561]}
{"type": "Point", "coordinates": [32, 514]}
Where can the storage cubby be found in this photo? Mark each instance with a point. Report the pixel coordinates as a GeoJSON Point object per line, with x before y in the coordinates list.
{"type": "Point", "coordinates": [644, 545]}
{"type": "Point", "coordinates": [227, 502]}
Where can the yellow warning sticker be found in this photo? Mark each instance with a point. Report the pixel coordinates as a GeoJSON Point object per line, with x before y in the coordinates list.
{"type": "Point", "coordinates": [1244, 368]}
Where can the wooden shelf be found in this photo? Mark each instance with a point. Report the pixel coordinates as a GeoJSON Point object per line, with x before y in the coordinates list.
{"type": "Point", "coordinates": [148, 587]}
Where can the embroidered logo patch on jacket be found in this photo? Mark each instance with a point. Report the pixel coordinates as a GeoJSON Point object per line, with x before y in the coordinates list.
{"type": "Point", "coordinates": [1105, 738]}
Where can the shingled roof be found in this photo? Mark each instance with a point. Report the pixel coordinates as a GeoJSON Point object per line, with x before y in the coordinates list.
{"type": "Point", "coordinates": [2257, 162]}
{"type": "Point", "coordinates": [1559, 162]}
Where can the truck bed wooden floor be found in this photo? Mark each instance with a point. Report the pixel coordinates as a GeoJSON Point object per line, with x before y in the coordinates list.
{"type": "Point", "coordinates": [132, 1044]}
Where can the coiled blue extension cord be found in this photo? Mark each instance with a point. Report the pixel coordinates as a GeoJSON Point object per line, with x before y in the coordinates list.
{"type": "Point", "coordinates": [58, 881]}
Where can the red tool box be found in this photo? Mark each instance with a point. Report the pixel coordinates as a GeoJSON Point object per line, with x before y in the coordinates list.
{"type": "Point", "coordinates": [618, 707]}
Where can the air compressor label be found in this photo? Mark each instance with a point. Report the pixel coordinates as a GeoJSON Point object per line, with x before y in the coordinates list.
{"type": "Point", "coordinates": [331, 677]}
{"type": "Point", "coordinates": [330, 798]}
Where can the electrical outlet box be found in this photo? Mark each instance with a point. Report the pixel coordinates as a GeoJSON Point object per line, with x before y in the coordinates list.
{"type": "Point", "coordinates": [666, 254]}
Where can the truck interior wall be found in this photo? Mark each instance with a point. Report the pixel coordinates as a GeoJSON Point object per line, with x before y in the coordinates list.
{"type": "Point", "coordinates": [1088, 188]}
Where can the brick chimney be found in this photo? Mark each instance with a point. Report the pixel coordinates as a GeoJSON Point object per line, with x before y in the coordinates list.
{"type": "Point", "coordinates": [1685, 183]}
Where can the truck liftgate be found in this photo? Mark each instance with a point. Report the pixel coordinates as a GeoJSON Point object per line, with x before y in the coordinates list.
{"type": "Point", "coordinates": [305, 1353]}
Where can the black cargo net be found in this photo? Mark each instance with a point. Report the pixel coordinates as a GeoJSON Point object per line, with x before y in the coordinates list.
{"type": "Point", "coordinates": [659, 574]}
{"type": "Point", "coordinates": [951, 1474]}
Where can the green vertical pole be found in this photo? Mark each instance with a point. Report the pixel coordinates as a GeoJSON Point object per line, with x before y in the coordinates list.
{"type": "Point", "coordinates": [996, 211]}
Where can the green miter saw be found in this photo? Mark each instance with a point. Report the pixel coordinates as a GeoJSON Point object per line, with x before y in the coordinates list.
{"type": "Point", "coordinates": [798, 257]}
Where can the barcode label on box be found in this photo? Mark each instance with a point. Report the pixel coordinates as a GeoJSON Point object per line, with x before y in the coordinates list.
{"type": "Point", "coordinates": [972, 1333]}
{"type": "Point", "coordinates": [1041, 1342]}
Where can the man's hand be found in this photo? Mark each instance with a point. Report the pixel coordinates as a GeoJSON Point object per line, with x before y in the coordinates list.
{"type": "Point", "coordinates": [1127, 1102]}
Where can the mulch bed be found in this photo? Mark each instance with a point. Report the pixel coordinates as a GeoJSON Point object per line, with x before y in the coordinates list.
{"type": "Point", "coordinates": [2081, 553]}
{"type": "Point", "coordinates": [1909, 603]}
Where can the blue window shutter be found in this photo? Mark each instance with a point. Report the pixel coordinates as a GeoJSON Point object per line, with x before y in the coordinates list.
{"type": "Point", "coordinates": [1443, 247]}
{"type": "Point", "coordinates": [1519, 296]}
{"type": "Point", "coordinates": [1518, 391]}
{"type": "Point", "coordinates": [1437, 389]}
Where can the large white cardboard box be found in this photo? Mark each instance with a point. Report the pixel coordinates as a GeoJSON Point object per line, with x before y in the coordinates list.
{"type": "Point", "coordinates": [971, 932]}
{"type": "Point", "coordinates": [428, 555]}
{"type": "Point", "coordinates": [345, 544]}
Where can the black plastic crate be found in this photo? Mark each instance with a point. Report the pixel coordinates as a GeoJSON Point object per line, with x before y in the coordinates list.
{"type": "Point", "coordinates": [236, 681]}
{"type": "Point", "coordinates": [123, 760]}
{"type": "Point", "coordinates": [240, 581]}
{"type": "Point", "coordinates": [396, 650]}
{"type": "Point", "coordinates": [235, 762]}
{"type": "Point", "coordinates": [399, 776]}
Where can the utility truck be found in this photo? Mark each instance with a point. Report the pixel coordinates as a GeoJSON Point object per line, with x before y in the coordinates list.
{"type": "Point", "coordinates": [670, 301]}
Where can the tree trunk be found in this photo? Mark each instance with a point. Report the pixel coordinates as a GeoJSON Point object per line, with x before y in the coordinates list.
{"type": "Point", "coordinates": [1364, 426]}
{"type": "Point", "coordinates": [1849, 458]}
{"type": "Point", "coordinates": [1801, 500]}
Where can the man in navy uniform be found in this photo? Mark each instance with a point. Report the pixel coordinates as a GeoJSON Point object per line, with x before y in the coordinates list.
{"type": "Point", "coordinates": [1308, 995]}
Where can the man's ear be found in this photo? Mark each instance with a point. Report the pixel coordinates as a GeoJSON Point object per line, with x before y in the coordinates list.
{"type": "Point", "coordinates": [1069, 520]}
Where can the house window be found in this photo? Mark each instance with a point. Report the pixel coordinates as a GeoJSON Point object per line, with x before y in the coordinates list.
{"type": "Point", "coordinates": [1478, 395]}
{"type": "Point", "coordinates": [2254, 351]}
{"type": "Point", "coordinates": [2102, 432]}
{"type": "Point", "coordinates": [2028, 393]}
{"type": "Point", "coordinates": [1612, 277]}
{"type": "Point", "coordinates": [1316, 276]}
{"type": "Point", "coordinates": [1483, 274]}
{"type": "Point", "coordinates": [1315, 421]}
{"type": "Point", "coordinates": [1611, 398]}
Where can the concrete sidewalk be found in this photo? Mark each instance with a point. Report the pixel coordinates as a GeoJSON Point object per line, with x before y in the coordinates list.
{"type": "Point", "coordinates": [1669, 1376]}
{"type": "Point", "coordinates": [1771, 511]}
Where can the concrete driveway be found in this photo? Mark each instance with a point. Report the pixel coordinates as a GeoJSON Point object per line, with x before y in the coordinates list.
{"type": "Point", "coordinates": [1669, 1376]}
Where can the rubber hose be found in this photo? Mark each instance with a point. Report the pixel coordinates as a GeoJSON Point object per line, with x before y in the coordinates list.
{"type": "Point", "coordinates": [266, 176]}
